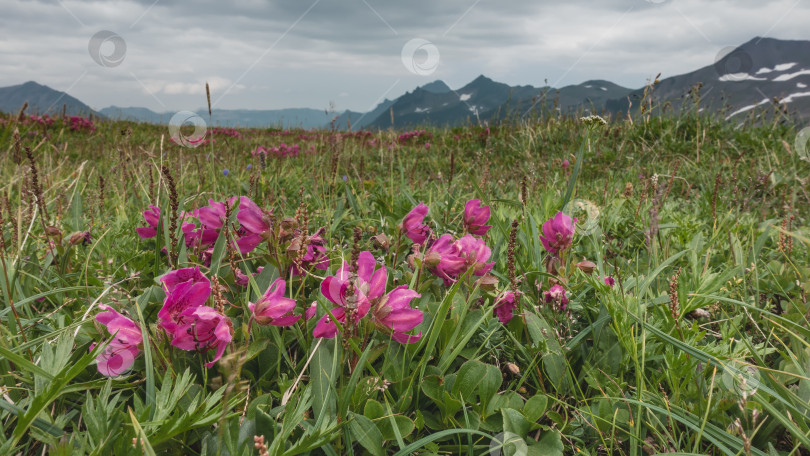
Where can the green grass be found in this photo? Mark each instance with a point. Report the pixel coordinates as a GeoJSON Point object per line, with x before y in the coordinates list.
{"type": "Point", "coordinates": [725, 370]}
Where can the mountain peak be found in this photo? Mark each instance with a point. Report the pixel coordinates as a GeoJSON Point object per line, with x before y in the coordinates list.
{"type": "Point", "coordinates": [437, 86]}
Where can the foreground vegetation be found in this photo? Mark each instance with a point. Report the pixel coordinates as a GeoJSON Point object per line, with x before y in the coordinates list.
{"type": "Point", "coordinates": [672, 318]}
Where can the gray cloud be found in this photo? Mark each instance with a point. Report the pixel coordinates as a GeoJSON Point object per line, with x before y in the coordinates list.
{"type": "Point", "coordinates": [294, 53]}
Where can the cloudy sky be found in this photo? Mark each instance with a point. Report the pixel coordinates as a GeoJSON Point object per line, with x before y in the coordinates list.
{"type": "Point", "coordinates": [353, 53]}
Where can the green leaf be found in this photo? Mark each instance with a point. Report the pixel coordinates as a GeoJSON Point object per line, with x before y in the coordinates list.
{"type": "Point", "coordinates": [515, 422]}
{"type": "Point", "coordinates": [535, 407]}
{"type": "Point", "coordinates": [549, 444]}
{"type": "Point", "coordinates": [471, 374]}
{"type": "Point", "coordinates": [366, 433]}
{"type": "Point", "coordinates": [323, 371]}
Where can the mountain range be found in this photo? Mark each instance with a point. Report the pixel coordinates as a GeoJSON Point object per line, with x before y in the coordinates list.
{"type": "Point", "coordinates": [749, 76]}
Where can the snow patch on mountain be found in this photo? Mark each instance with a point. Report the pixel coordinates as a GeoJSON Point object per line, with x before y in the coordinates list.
{"type": "Point", "coordinates": [465, 96]}
{"type": "Point", "coordinates": [792, 96]}
{"type": "Point", "coordinates": [747, 108]}
{"type": "Point", "coordinates": [789, 76]}
{"type": "Point", "coordinates": [737, 77]}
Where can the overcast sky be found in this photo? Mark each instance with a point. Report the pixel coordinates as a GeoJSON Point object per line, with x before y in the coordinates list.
{"type": "Point", "coordinates": [310, 53]}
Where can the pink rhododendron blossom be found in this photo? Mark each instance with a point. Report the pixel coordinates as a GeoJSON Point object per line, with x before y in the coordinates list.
{"type": "Point", "coordinates": [121, 351]}
{"type": "Point", "coordinates": [315, 256]}
{"type": "Point", "coordinates": [212, 218]}
{"type": "Point", "coordinates": [556, 295]}
{"type": "Point", "coordinates": [310, 312]}
{"type": "Point", "coordinates": [412, 225]}
{"type": "Point", "coordinates": [393, 313]}
{"type": "Point", "coordinates": [203, 328]}
{"type": "Point", "coordinates": [243, 279]}
{"type": "Point", "coordinates": [152, 217]}
{"type": "Point", "coordinates": [185, 289]}
{"type": "Point", "coordinates": [443, 258]}
{"type": "Point", "coordinates": [505, 305]}
{"type": "Point", "coordinates": [558, 232]}
{"type": "Point", "coordinates": [366, 283]}
{"type": "Point", "coordinates": [256, 222]}
{"type": "Point", "coordinates": [476, 217]}
{"type": "Point", "coordinates": [273, 308]}
{"type": "Point", "coordinates": [475, 253]}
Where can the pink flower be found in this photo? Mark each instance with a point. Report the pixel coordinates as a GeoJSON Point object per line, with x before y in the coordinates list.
{"type": "Point", "coordinates": [393, 313]}
{"type": "Point", "coordinates": [476, 217]}
{"type": "Point", "coordinates": [367, 283]}
{"type": "Point", "coordinates": [475, 253]}
{"type": "Point", "coordinates": [609, 281]}
{"type": "Point", "coordinates": [152, 217]}
{"type": "Point", "coordinates": [556, 295]}
{"type": "Point", "coordinates": [257, 223]}
{"type": "Point", "coordinates": [212, 218]}
{"type": "Point", "coordinates": [505, 307]}
{"type": "Point", "coordinates": [243, 279]}
{"type": "Point", "coordinates": [273, 308]}
{"type": "Point", "coordinates": [412, 225]}
{"type": "Point", "coordinates": [316, 254]}
{"type": "Point", "coordinates": [310, 312]}
{"type": "Point", "coordinates": [565, 164]}
{"type": "Point", "coordinates": [203, 328]}
{"type": "Point", "coordinates": [444, 259]}
{"type": "Point", "coordinates": [558, 232]}
{"type": "Point", "coordinates": [186, 289]}
{"type": "Point", "coordinates": [120, 353]}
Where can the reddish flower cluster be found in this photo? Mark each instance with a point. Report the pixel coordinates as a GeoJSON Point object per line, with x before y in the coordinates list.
{"type": "Point", "coordinates": [219, 131]}
{"type": "Point", "coordinates": [358, 290]}
{"type": "Point", "coordinates": [78, 123]}
{"type": "Point", "coordinates": [410, 135]}
{"type": "Point", "coordinates": [44, 120]}
{"type": "Point", "coordinates": [191, 324]}
{"type": "Point", "coordinates": [282, 151]}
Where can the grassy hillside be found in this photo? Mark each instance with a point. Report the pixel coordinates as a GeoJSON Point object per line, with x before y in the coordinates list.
{"type": "Point", "coordinates": [674, 317]}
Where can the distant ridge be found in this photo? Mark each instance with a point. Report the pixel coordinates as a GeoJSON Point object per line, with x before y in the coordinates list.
{"type": "Point", "coordinates": [41, 99]}
{"type": "Point", "coordinates": [748, 77]}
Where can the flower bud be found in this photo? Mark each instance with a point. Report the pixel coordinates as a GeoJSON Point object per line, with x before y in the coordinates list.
{"type": "Point", "coordinates": [513, 368]}
{"type": "Point", "coordinates": [53, 231]}
{"type": "Point", "coordinates": [432, 259]}
{"type": "Point", "coordinates": [586, 266]}
{"type": "Point", "coordinates": [381, 241]}
{"type": "Point", "coordinates": [80, 237]}
{"type": "Point", "coordinates": [488, 282]}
